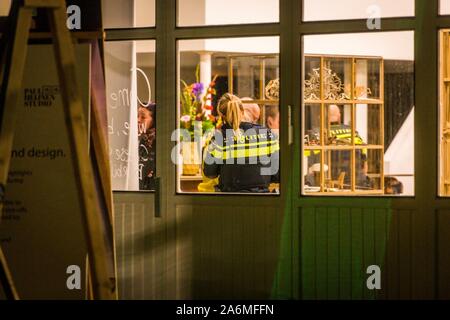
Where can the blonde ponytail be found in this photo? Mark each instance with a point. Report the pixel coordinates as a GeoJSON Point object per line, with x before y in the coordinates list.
{"type": "Point", "coordinates": [231, 109]}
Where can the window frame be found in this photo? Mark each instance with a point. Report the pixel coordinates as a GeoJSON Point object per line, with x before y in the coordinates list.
{"type": "Point", "coordinates": [291, 28]}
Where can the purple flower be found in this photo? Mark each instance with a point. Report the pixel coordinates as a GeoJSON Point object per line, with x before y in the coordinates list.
{"type": "Point", "coordinates": [197, 89]}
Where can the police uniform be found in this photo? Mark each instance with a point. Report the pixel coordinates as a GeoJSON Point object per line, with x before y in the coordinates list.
{"type": "Point", "coordinates": [341, 134]}
{"type": "Point", "coordinates": [245, 162]}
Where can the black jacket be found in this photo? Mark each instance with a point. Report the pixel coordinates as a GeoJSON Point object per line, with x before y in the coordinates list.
{"type": "Point", "coordinates": [248, 162]}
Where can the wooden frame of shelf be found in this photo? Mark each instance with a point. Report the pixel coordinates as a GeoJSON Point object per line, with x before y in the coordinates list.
{"type": "Point", "coordinates": [325, 149]}
{"type": "Point", "coordinates": [261, 100]}
{"type": "Point", "coordinates": [444, 76]}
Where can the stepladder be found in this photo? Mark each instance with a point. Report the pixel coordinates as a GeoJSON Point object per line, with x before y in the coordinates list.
{"type": "Point", "coordinates": [13, 52]}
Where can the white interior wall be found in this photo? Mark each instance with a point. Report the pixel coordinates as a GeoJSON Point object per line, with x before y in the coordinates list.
{"type": "Point", "coordinates": [444, 7]}
{"type": "Point", "coordinates": [399, 158]}
{"type": "Point", "coordinates": [389, 45]}
{"type": "Point", "coordinates": [355, 9]}
{"type": "Point", "coordinates": [191, 12]}
{"type": "Point", "coordinates": [219, 12]}
{"type": "Point", "coordinates": [144, 11]}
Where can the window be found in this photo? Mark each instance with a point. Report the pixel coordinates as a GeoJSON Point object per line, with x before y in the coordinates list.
{"type": "Point", "coordinates": [128, 13]}
{"type": "Point", "coordinates": [245, 70]}
{"type": "Point", "coordinates": [444, 123]}
{"type": "Point", "coordinates": [444, 7]}
{"type": "Point", "coordinates": [358, 129]}
{"type": "Point", "coordinates": [130, 83]}
{"type": "Point", "coordinates": [219, 12]}
{"type": "Point", "coordinates": [316, 10]}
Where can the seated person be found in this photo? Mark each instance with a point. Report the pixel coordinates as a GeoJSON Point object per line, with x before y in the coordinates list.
{"type": "Point", "coordinates": [147, 146]}
{"type": "Point", "coordinates": [392, 186]}
{"type": "Point", "coordinates": [243, 155]}
{"type": "Point", "coordinates": [273, 118]}
{"type": "Point", "coordinates": [340, 134]}
{"type": "Point", "coordinates": [252, 112]}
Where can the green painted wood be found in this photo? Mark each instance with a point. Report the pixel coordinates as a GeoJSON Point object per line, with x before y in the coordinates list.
{"type": "Point", "coordinates": [308, 253]}
{"type": "Point", "coordinates": [405, 254]}
{"type": "Point", "coordinates": [381, 238]}
{"type": "Point", "coordinates": [392, 258]}
{"type": "Point", "coordinates": [321, 253]}
{"type": "Point", "coordinates": [333, 253]}
{"type": "Point", "coordinates": [296, 256]}
{"type": "Point", "coordinates": [345, 256]}
{"type": "Point", "coordinates": [369, 250]}
{"type": "Point", "coordinates": [357, 254]}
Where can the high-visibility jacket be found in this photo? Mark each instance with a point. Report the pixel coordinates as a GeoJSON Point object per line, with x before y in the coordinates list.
{"type": "Point", "coordinates": [342, 134]}
{"type": "Point", "coordinates": [244, 161]}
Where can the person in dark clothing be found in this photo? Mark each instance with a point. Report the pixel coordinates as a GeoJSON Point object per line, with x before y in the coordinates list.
{"type": "Point", "coordinates": [245, 156]}
{"type": "Point", "coordinates": [147, 146]}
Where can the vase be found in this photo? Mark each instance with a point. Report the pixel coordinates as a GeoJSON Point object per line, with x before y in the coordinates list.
{"type": "Point", "coordinates": [191, 158]}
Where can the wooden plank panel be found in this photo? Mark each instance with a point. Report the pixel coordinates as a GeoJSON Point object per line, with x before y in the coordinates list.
{"type": "Point", "coordinates": [127, 252]}
{"type": "Point", "coordinates": [215, 237]}
{"type": "Point", "coordinates": [369, 249]}
{"type": "Point", "coordinates": [333, 253]}
{"type": "Point", "coordinates": [184, 252]}
{"type": "Point", "coordinates": [405, 254]}
{"type": "Point", "coordinates": [235, 251]}
{"type": "Point", "coordinates": [381, 226]}
{"type": "Point", "coordinates": [345, 256]}
{"type": "Point", "coordinates": [239, 264]}
{"type": "Point", "coordinates": [227, 251]}
{"type": "Point", "coordinates": [321, 252]}
{"type": "Point", "coordinates": [443, 255]}
{"type": "Point", "coordinates": [357, 254]}
{"type": "Point", "coordinates": [308, 253]}
{"type": "Point", "coordinates": [140, 249]}
{"type": "Point", "coordinates": [272, 243]}
{"type": "Point", "coordinates": [393, 258]}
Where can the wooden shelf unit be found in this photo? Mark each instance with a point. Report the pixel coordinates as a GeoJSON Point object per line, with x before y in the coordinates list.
{"type": "Point", "coordinates": [354, 101]}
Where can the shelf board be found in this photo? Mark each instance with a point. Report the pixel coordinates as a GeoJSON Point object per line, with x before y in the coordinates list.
{"type": "Point", "coordinates": [349, 147]}
{"type": "Point", "coordinates": [365, 101]}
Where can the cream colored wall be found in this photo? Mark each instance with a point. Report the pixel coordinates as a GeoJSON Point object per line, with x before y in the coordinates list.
{"type": "Point", "coordinates": [351, 9]}
{"type": "Point", "coordinates": [445, 7]}
{"type": "Point", "coordinates": [389, 45]}
{"type": "Point", "coordinates": [4, 7]}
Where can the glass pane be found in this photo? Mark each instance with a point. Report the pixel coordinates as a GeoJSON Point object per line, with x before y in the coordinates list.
{"type": "Point", "coordinates": [444, 7]}
{"type": "Point", "coordinates": [312, 125]}
{"type": "Point", "coordinates": [369, 173]}
{"type": "Point", "coordinates": [337, 79]}
{"type": "Point", "coordinates": [130, 83]}
{"type": "Point", "coordinates": [338, 124]}
{"type": "Point", "coordinates": [226, 84]}
{"type": "Point", "coordinates": [316, 10]}
{"type": "Point", "coordinates": [367, 79]}
{"type": "Point", "coordinates": [247, 80]}
{"type": "Point", "coordinates": [338, 170]}
{"type": "Point", "coordinates": [360, 86]}
{"type": "Point", "coordinates": [312, 83]}
{"type": "Point", "coordinates": [444, 114]}
{"type": "Point", "coordinates": [128, 13]}
{"type": "Point", "coordinates": [4, 7]}
{"type": "Point", "coordinates": [219, 12]}
{"type": "Point", "coordinates": [312, 167]}
{"type": "Point", "coordinates": [368, 123]}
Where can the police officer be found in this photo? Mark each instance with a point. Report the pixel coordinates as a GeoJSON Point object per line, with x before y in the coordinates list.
{"type": "Point", "coordinates": [243, 155]}
{"type": "Point", "coordinates": [340, 134]}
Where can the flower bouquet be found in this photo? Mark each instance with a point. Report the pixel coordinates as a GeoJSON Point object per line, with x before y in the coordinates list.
{"type": "Point", "coordinates": [196, 119]}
